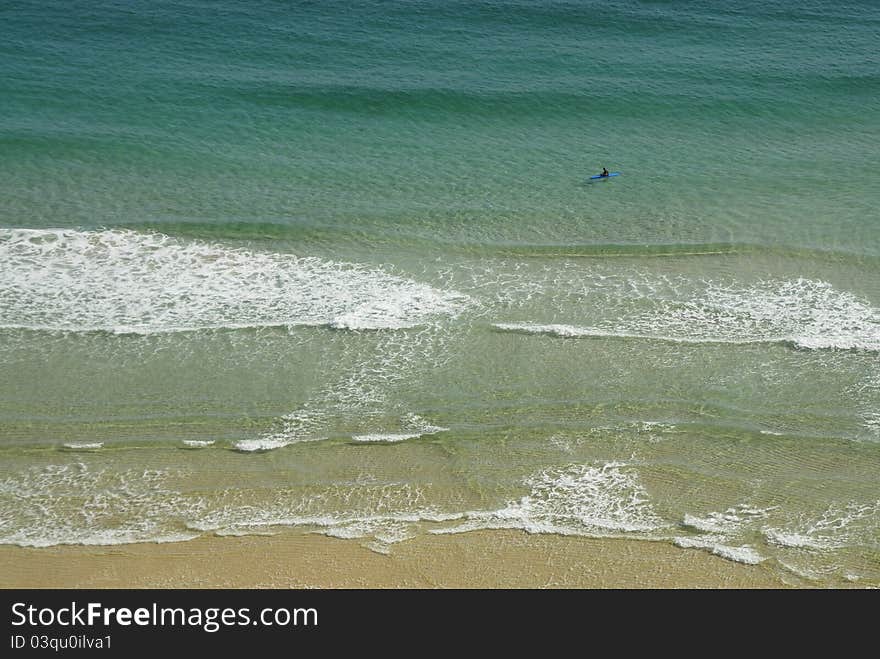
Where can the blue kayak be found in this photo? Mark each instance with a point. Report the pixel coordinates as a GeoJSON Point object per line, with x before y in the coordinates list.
{"type": "Point", "coordinates": [606, 175]}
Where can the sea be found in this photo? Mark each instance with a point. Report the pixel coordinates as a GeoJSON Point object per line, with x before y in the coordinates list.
{"type": "Point", "coordinates": [340, 268]}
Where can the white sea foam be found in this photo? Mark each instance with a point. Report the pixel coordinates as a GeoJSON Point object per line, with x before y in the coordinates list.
{"type": "Point", "coordinates": [360, 390]}
{"type": "Point", "coordinates": [728, 522]}
{"type": "Point", "coordinates": [867, 393]}
{"type": "Point", "coordinates": [654, 426]}
{"type": "Point", "coordinates": [798, 570]}
{"type": "Point", "coordinates": [385, 438]}
{"type": "Point", "coordinates": [872, 421]}
{"type": "Point", "coordinates": [356, 509]}
{"type": "Point", "coordinates": [574, 500]}
{"type": "Point", "coordinates": [79, 504]}
{"type": "Point", "coordinates": [198, 443]}
{"type": "Point", "coordinates": [416, 426]}
{"type": "Point", "coordinates": [578, 332]}
{"type": "Point", "coordinates": [718, 532]}
{"type": "Point", "coordinates": [714, 523]}
{"type": "Point", "coordinates": [83, 446]}
{"type": "Point", "coordinates": [124, 281]}
{"type": "Point", "coordinates": [794, 539]}
{"type": "Point", "coordinates": [377, 512]}
{"type": "Point", "coordinates": [834, 528]}
{"type": "Point", "coordinates": [298, 426]}
{"type": "Point", "coordinates": [384, 531]}
{"type": "Point", "coordinates": [264, 444]}
{"type": "Point", "coordinates": [744, 554]}
{"type": "Point", "coordinates": [805, 313]}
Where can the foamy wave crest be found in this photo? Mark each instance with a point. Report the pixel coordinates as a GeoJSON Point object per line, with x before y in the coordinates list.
{"type": "Point", "coordinates": [420, 425]}
{"type": "Point", "coordinates": [82, 446]}
{"type": "Point", "coordinates": [360, 391]}
{"type": "Point", "coordinates": [416, 427]}
{"type": "Point", "coordinates": [833, 529]}
{"type": "Point", "coordinates": [718, 532]}
{"type": "Point", "coordinates": [728, 522]}
{"type": "Point", "coordinates": [263, 444]}
{"type": "Point", "coordinates": [744, 554]}
{"type": "Point", "coordinates": [872, 421]}
{"type": "Point", "coordinates": [577, 332]}
{"type": "Point", "coordinates": [808, 314]}
{"type": "Point", "coordinates": [385, 438]}
{"type": "Point", "coordinates": [80, 504]}
{"type": "Point", "coordinates": [197, 443]}
{"type": "Point", "coordinates": [574, 500]}
{"type": "Point", "coordinates": [298, 426]}
{"type": "Point", "coordinates": [331, 506]}
{"type": "Point", "coordinates": [125, 281]}
{"type": "Point", "coordinates": [385, 532]}
{"type": "Point", "coordinates": [76, 504]}
{"type": "Point", "coordinates": [383, 513]}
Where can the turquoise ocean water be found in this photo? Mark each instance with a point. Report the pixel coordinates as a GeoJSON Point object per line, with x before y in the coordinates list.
{"type": "Point", "coordinates": [340, 267]}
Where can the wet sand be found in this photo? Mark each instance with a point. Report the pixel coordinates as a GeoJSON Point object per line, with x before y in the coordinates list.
{"type": "Point", "coordinates": [480, 559]}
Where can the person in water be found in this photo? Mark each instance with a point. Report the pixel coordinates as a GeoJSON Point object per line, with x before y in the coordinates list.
{"type": "Point", "coordinates": [604, 172]}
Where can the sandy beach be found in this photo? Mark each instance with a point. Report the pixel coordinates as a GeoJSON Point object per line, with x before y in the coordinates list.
{"type": "Point", "coordinates": [482, 559]}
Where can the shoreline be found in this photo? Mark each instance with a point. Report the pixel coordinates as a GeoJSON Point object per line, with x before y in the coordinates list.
{"type": "Point", "coordinates": [475, 559]}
